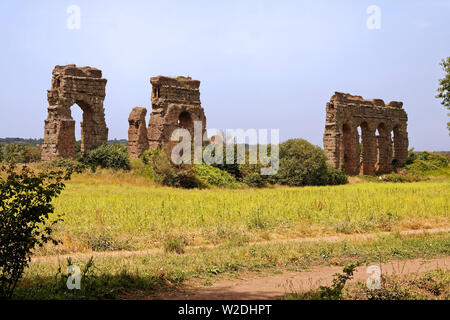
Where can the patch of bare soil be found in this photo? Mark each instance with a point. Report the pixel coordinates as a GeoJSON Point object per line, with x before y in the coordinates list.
{"type": "Point", "coordinates": [258, 287]}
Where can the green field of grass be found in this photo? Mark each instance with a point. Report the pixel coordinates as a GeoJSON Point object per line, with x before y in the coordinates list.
{"type": "Point", "coordinates": [114, 211]}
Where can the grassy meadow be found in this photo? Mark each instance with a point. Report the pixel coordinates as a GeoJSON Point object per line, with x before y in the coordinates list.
{"type": "Point", "coordinates": [122, 211]}
{"type": "Point", "coordinates": [143, 275]}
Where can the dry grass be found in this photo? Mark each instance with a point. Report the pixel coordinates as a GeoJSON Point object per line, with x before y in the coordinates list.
{"type": "Point", "coordinates": [131, 213]}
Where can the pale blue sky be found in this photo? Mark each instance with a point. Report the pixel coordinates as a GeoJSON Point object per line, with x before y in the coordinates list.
{"type": "Point", "coordinates": [263, 64]}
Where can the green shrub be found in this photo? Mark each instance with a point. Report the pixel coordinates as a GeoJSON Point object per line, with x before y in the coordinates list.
{"type": "Point", "coordinates": [233, 168]}
{"type": "Point", "coordinates": [25, 205]}
{"type": "Point", "coordinates": [168, 174]}
{"type": "Point", "coordinates": [69, 164]}
{"type": "Point", "coordinates": [108, 156]}
{"type": "Point", "coordinates": [407, 177]}
{"type": "Point", "coordinates": [336, 177]}
{"type": "Point", "coordinates": [19, 153]}
{"type": "Point", "coordinates": [301, 164]}
{"type": "Point", "coordinates": [427, 161]}
{"type": "Point", "coordinates": [211, 176]}
{"type": "Point", "coordinates": [251, 175]}
{"type": "Point", "coordinates": [139, 168]}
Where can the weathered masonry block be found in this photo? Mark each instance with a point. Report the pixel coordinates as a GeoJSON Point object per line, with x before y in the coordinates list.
{"type": "Point", "coordinates": [175, 104]}
{"type": "Point", "coordinates": [137, 132]}
{"type": "Point", "coordinates": [86, 88]}
{"type": "Point", "coordinates": [382, 143]}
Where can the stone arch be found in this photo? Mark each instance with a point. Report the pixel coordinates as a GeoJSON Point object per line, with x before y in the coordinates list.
{"type": "Point", "coordinates": [185, 121]}
{"type": "Point", "coordinates": [86, 88]}
{"type": "Point", "coordinates": [371, 115]}
{"type": "Point", "coordinates": [367, 149]}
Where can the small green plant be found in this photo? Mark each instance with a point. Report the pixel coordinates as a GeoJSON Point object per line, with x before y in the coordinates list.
{"type": "Point", "coordinates": [25, 205]}
{"type": "Point", "coordinates": [335, 292]}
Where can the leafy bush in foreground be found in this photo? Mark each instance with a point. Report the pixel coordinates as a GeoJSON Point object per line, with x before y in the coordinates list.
{"type": "Point", "coordinates": [25, 204]}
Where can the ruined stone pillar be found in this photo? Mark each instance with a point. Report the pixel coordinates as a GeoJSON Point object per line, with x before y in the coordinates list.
{"type": "Point", "coordinates": [137, 132]}
{"type": "Point", "coordinates": [401, 144]}
{"type": "Point", "coordinates": [352, 160]}
{"type": "Point", "coordinates": [384, 160]}
{"type": "Point", "coordinates": [369, 150]}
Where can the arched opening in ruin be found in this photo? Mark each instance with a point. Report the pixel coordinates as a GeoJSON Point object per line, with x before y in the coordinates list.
{"type": "Point", "coordinates": [185, 121]}
{"type": "Point", "coordinates": [395, 145]}
{"type": "Point", "coordinates": [77, 115]}
{"type": "Point", "coordinates": [80, 136]}
{"type": "Point", "coordinates": [364, 145]}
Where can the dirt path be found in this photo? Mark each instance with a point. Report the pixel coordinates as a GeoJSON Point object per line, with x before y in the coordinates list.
{"type": "Point", "coordinates": [338, 238]}
{"type": "Point", "coordinates": [270, 286]}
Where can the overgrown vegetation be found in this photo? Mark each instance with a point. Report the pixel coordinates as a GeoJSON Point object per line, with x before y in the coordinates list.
{"type": "Point", "coordinates": [19, 153]}
{"type": "Point", "coordinates": [169, 174]}
{"type": "Point", "coordinates": [433, 285]}
{"type": "Point", "coordinates": [213, 177]}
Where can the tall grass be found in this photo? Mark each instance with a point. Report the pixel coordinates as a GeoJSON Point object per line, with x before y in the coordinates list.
{"type": "Point", "coordinates": [129, 209]}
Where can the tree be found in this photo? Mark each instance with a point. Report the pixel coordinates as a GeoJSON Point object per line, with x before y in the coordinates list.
{"type": "Point", "coordinates": [25, 204]}
{"type": "Point", "coordinates": [301, 164]}
{"type": "Point", "coordinates": [444, 86]}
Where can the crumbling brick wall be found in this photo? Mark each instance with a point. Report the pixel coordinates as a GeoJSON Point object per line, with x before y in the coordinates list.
{"type": "Point", "coordinates": [175, 104]}
{"type": "Point", "coordinates": [376, 150]}
{"type": "Point", "coordinates": [86, 88]}
{"type": "Point", "coordinates": [137, 132]}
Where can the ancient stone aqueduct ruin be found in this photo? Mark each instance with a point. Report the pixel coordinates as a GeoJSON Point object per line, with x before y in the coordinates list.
{"type": "Point", "coordinates": [176, 104]}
